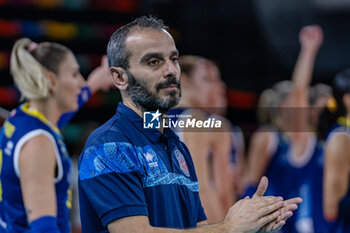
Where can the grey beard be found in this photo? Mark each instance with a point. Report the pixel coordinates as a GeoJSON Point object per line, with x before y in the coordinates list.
{"type": "Point", "coordinates": [150, 101]}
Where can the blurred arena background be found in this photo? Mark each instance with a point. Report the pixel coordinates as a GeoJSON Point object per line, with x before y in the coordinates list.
{"type": "Point", "coordinates": [254, 42]}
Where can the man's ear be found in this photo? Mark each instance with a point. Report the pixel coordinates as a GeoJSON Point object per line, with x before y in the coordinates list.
{"type": "Point", "coordinates": [119, 78]}
{"type": "Point", "coordinates": [51, 80]}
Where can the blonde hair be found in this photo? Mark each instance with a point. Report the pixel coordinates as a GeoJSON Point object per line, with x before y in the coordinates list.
{"type": "Point", "coordinates": [269, 101]}
{"type": "Point", "coordinates": [266, 106]}
{"type": "Point", "coordinates": [29, 65]}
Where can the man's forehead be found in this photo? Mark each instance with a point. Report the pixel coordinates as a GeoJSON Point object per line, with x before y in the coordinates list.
{"type": "Point", "coordinates": [149, 40]}
{"type": "Point", "coordinates": [142, 33]}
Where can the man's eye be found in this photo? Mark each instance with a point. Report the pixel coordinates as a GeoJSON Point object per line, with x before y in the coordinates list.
{"type": "Point", "coordinates": [175, 59]}
{"type": "Point", "coordinates": [153, 62]}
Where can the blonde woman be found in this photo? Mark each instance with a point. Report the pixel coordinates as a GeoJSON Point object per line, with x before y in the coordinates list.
{"type": "Point", "coordinates": [33, 157]}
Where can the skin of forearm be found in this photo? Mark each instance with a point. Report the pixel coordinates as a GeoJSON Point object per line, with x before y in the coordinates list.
{"type": "Point", "coordinates": [303, 69]}
{"type": "Point", "coordinates": [226, 200]}
{"type": "Point", "coordinates": [143, 226]}
{"type": "Point", "coordinates": [215, 228]}
{"type": "Point", "coordinates": [331, 208]}
{"type": "Point", "coordinates": [334, 190]}
{"type": "Point", "coordinates": [93, 85]}
{"type": "Point", "coordinates": [335, 174]}
{"type": "Point", "coordinates": [301, 79]}
{"type": "Point", "coordinates": [211, 205]}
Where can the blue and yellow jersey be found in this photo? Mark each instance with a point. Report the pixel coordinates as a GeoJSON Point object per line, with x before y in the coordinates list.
{"type": "Point", "coordinates": [23, 125]}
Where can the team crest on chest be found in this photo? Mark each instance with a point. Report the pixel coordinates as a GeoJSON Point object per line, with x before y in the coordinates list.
{"type": "Point", "coordinates": [182, 162]}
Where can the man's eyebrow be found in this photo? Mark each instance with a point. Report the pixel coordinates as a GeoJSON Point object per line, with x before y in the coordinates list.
{"type": "Point", "coordinates": [147, 56]}
{"type": "Point", "coordinates": [175, 53]}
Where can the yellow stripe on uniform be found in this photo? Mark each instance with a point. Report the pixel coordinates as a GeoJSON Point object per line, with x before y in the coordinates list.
{"type": "Point", "coordinates": [69, 199]}
{"type": "Point", "coordinates": [344, 121]}
{"type": "Point", "coordinates": [39, 115]}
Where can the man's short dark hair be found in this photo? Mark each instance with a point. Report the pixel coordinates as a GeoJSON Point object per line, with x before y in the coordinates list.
{"type": "Point", "coordinates": [117, 54]}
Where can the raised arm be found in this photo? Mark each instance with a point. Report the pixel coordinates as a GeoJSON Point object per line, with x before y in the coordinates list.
{"type": "Point", "coordinates": [311, 38]}
{"type": "Point", "coordinates": [99, 79]}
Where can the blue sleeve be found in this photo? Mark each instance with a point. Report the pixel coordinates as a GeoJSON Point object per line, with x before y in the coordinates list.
{"type": "Point", "coordinates": [201, 214]}
{"type": "Point", "coordinates": [114, 196]}
{"type": "Point", "coordinates": [110, 178]}
{"type": "Point", "coordinates": [83, 97]}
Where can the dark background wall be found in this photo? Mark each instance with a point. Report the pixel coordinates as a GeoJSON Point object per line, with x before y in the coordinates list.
{"type": "Point", "coordinates": [256, 41]}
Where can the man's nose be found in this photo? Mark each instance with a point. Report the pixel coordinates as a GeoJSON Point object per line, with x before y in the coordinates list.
{"type": "Point", "coordinates": [171, 69]}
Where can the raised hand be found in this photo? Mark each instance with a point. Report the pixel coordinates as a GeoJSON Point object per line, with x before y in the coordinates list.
{"type": "Point", "coordinates": [311, 37]}
{"type": "Point", "coordinates": [285, 211]}
{"type": "Point", "coordinates": [250, 215]}
{"type": "Point", "coordinates": [100, 77]}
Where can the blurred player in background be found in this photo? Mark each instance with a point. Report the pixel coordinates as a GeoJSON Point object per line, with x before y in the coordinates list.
{"type": "Point", "coordinates": [35, 162]}
{"type": "Point", "coordinates": [334, 126]}
{"type": "Point", "coordinates": [203, 93]}
{"type": "Point", "coordinates": [210, 150]}
{"type": "Point", "coordinates": [287, 151]}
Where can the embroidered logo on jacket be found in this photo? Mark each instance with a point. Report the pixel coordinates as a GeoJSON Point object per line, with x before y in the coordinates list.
{"type": "Point", "coordinates": [151, 160]}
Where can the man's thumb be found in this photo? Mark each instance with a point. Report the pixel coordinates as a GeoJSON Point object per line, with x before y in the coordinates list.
{"type": "Point", "coordinates": [260, 191]}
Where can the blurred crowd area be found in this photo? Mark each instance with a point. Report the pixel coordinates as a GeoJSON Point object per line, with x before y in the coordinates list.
{"type": "Point", "coordinates": [254, 43]}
